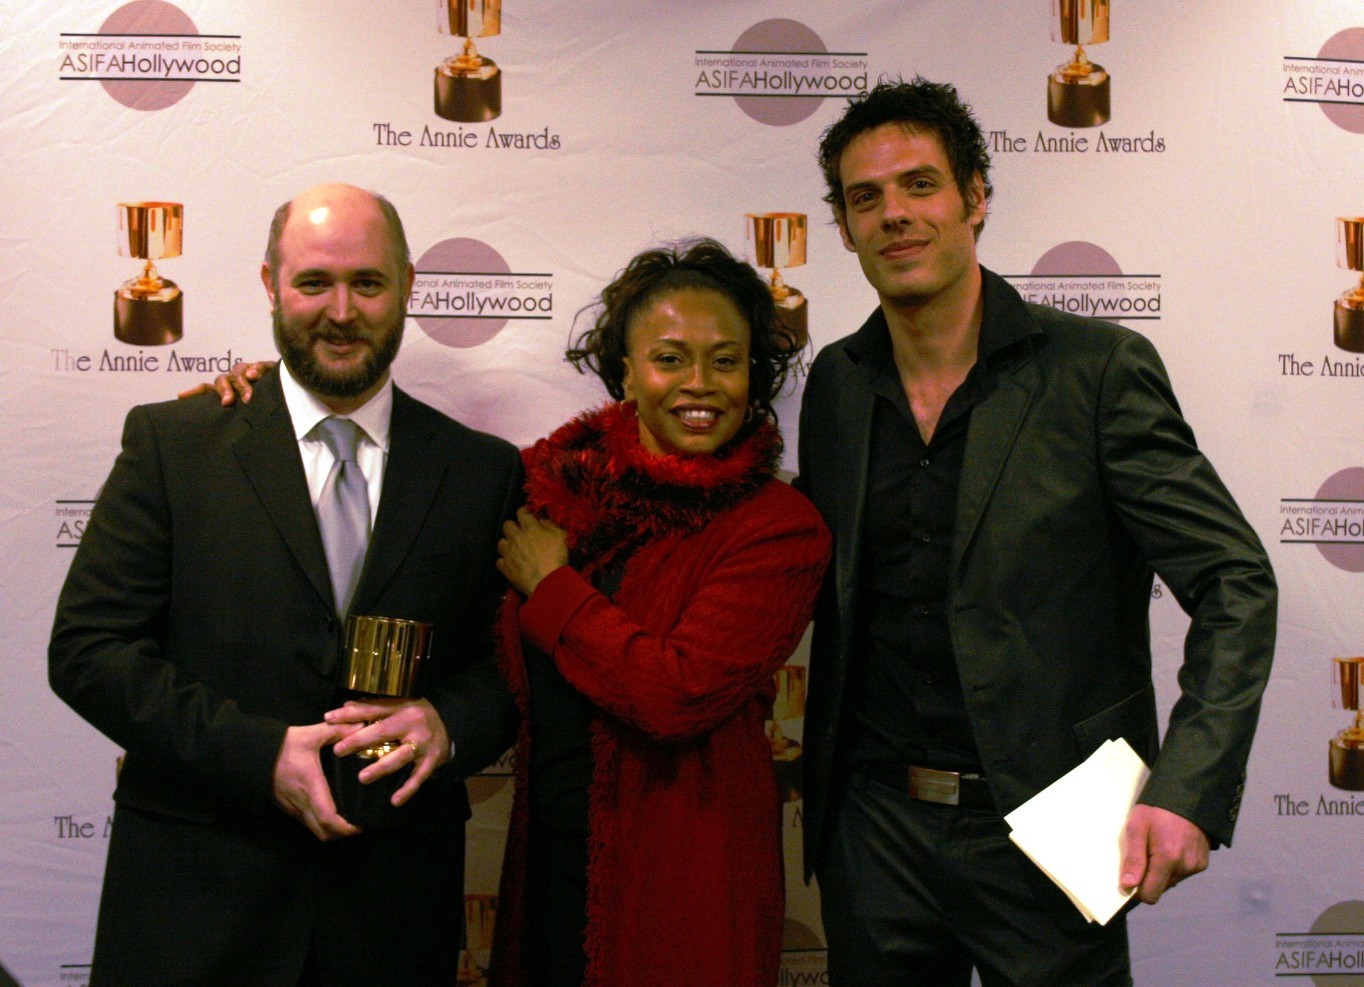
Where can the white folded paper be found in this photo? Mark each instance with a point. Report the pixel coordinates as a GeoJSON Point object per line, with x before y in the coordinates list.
{"type": "Point", "coordinates": [1073, 828]}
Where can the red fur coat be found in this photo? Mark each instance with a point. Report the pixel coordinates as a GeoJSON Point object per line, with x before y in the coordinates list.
{"type": "Point", "coordinates": [685, 872]}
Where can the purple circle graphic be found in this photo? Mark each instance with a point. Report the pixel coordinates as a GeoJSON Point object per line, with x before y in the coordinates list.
{"type": "Point", "coordinates": [147, 17]}
{"type": "Point", "coordinates": [1077, 257]}
{"type": "Point", "coordinates": [1348, 484]}
{"type": "Point", "coordinates": [779, 35]}
{"type": "Point", "coordinates": [1348, 45]}
{"type": "Point", "coordinates": [454, 268]}
{"type": "Point", "coordinates": [1344, 918]}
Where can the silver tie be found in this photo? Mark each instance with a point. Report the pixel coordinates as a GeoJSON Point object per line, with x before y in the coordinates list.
{"type": "Point", "coordinates": [343, 510]}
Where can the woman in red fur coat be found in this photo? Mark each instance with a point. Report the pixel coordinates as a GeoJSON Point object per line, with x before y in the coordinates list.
{"type": "Point", "coordinates": [663, 574]}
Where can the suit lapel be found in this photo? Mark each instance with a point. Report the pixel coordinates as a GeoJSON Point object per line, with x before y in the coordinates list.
{"type": "Point", "coordinates": [416, 466]}
{"type": "Point", "coordinates": [856, 409]}
{"type": "Point", "coordinates": [998, 416]}
{"type": "Point", "coordinates": [995, 423]}
{"type": "Point", "coordinates": [268, 453]}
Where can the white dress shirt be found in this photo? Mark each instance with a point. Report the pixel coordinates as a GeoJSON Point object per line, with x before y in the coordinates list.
{"type": "Point", "coordinates": [371, 451]}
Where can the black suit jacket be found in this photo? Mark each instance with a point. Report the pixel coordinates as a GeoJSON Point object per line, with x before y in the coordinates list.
{"type": "Point", "coordinates": [197, 623]}
{"type": "Point", "coordinates": [1080, 478]}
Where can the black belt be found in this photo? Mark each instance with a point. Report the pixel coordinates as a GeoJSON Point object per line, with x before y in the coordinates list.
{"type": "Point", "coordinates": [932, 785]}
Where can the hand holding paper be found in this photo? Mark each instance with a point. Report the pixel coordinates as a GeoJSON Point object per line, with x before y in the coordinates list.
{"type": "Point", "coordinates": [1160, 849]}
{"type": "Point", "coordinates": [1073, 829]}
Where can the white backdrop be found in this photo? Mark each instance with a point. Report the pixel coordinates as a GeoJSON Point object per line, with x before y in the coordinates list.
{"type": "Point", "coordinates": [1209, 199]}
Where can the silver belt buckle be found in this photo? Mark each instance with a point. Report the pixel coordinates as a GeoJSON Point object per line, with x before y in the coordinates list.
{"type": "Point", "coordinates": [932, 785]}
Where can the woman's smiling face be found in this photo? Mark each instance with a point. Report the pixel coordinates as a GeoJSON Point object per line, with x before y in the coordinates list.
{"type": "Point", "coordinates": [686, 369]}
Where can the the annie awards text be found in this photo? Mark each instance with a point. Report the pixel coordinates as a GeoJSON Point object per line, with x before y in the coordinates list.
{"type": "Point", "coordinates": [1288, 805]}
{"type": "Point", "coordinates": [1002, 142]}
{"type": "Point", "coordinates": [71, 828]}
{"type": "Point", "coordinates": [492, 139]}
{"type": "Point", "coordinates": [1327, 366]}
{"type": "Point", "coordinates": [65, 361]}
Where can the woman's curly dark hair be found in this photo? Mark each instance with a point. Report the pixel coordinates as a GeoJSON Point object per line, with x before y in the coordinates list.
{"type": "Point", "coordinates": [704, 264]}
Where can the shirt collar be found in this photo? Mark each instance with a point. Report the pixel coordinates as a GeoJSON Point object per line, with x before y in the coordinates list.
{"type": "Point", "coordinates": [306, 409]}
{"type": "Point", "coordinates": [1004, 322]}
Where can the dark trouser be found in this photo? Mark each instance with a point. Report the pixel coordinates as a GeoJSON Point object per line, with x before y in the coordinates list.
{"type": "Point", "coordinates": [312, 972]}
{"type": "Point", "coordinates": [918, 893]}
{"type": "Point", "coordinates": [556, 908]}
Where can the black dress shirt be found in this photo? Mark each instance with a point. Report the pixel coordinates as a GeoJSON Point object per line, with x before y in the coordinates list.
{"type": "Point", "coordinates": [907, 700]}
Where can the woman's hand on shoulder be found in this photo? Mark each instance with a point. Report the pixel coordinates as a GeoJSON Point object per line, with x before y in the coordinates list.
{"type": "Point", "coordinates": [234, 384]}
{"type": "Point", "coordinates": [530, 549]}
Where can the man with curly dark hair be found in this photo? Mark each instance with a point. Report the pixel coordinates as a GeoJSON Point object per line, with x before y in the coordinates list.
{"type": "Point", "coordinates": [1001, 480]}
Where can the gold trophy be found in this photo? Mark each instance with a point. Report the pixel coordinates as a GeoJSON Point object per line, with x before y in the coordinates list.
{"type": "Point", "coordinates": [778, 240]}
{"type": "Point", "coordinates": [383, 659]}
{"type": "Point", "coordinates": [149, 311]}
{"type": "Point", "coordinates": [788, 705]}
{"type": "Point", "coordinates": [469, 86]}
{"type": "Point", "coordinates": [1077, 92]}
{"type": "Point", "coordinates": [1347, 747]}
{"type": "Point", "coordinates": [1350, 305]}
{"type": "Point", "coordinates": [480, 915]}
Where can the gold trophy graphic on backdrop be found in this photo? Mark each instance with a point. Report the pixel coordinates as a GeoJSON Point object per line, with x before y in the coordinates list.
{"type": "Point", "coordinates": [1077, 92]}
{"type": "Point", "coordinates": [480, 915]}
{"type": "Point", "coordinates": [788, 705]}
{"type": "Point", "coordinates": [149, 310]}
{"type": "Point", "coordinates": [382, 659]}
{"type": "Point", "coordinates": [469, 86]}
{"type": "Point", "coordinates": [1350, 305]}
{"type": "Point", "coordinates": [778, 240]}
{"type": "Point", "coordinates": [1347, 747]}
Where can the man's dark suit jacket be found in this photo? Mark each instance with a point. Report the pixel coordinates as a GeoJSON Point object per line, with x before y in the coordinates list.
{"type": "Point", "coordinates": [1080, 478]}
{"type": "Point", "coordinates": [197, 623]}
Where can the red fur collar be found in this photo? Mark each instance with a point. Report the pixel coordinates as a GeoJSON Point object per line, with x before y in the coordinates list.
{"type": "Point", "coordinates": [593, 478]}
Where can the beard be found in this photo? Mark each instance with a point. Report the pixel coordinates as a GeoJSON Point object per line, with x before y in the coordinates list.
{"type": "Point", "coordinates": [296, 349]}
